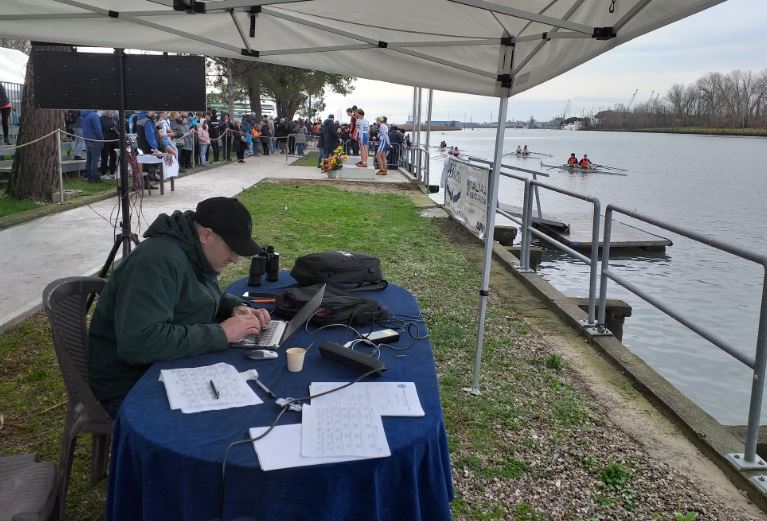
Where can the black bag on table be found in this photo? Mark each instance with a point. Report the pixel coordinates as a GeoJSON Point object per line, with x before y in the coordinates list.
{"type": "Point", "coordinates": [351, 271]}
{"type": "Point", "coordinates": [338, 306]}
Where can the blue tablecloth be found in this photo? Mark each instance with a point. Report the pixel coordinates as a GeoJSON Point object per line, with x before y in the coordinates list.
{"type": "Point", "coordinates": [167, 465]}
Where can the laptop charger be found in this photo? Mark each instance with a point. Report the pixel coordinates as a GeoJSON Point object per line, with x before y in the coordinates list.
{"type": "Point", "coordinates": [355, 359]}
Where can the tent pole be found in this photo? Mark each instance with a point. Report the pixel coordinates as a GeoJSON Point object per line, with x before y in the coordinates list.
{"type": "Point", "coordinates": [417, 137]}
{"type": "Point", "coordinates": [124, 190]}
{"type": "Point", "coordinates": [428, 135]}
{"type": "Point", "coordinates": [412, 134]}
{"type": "Point", "coordinates": [489, 233]}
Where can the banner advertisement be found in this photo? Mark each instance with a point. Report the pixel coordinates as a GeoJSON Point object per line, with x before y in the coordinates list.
{"type": "Point", "coordinates": [466, 194]}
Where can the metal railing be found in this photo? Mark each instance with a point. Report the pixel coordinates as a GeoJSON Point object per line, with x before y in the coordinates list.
{"type": "Point", "coordinates": [595, 325]}
{"type": "Point", "coordinates": [15, 92]}
{"type": "Point", "coordinates": [747, 460]}
{"type": "Point", "coordinates": [527, 230]}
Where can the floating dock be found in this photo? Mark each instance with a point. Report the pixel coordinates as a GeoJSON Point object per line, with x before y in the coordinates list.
{"type": "Point", "coordinates": [575, 232]}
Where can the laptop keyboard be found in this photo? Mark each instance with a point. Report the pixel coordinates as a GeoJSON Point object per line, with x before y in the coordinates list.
{"type": "Point", "coordinates": [264, 338]}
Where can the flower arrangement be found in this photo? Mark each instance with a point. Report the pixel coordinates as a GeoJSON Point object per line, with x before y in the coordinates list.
{"type": "Point", "coordinates": [335, 161]}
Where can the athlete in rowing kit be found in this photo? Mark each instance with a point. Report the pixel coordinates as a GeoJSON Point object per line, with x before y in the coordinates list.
{"type": "Point", "coordinates": [572, 160]}
{"type": "Point", "coordinates": [585, 163]}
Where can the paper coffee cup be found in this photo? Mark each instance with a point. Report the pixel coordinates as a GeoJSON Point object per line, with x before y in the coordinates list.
{"type": "Point", "coordinates": [295, 359]}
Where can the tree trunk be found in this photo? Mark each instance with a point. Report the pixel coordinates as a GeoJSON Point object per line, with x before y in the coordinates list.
{"type": "Point", "coordinates": [254, 93]}
{"type": "Point", "coordinates": [230, 88]}
{"type": "Point", "coordinates": [35, 167]}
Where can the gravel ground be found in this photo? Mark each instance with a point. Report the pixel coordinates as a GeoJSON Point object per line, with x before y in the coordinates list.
{"type": "Point", "coordinates": [568, 473]}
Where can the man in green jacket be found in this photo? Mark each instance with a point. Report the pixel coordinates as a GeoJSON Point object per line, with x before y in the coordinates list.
{"type": "Point", "coordinates": [163, 301]}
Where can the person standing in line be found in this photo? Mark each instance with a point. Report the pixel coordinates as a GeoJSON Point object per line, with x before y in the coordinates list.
{"type": "Point", "coordinates": [330, 135]}
{"type": "Point", "coordinates": [272, 139]}
{"type": "Point", "coordinates": [204, 137]}
{"type": "Point", "coordinates": [91, 132]}
{"type": "Point", "coordinates": [352, 113]}
{"type": "Point", "coordinates": [225, 129]}
{"type": "Point", "coordinates": [266, 135]}
{"type": "Point", "coordinates": [188, 144]}
{"type": "Point", "coordinates": [301, 134]}
{"type": "Point", "coordinates": [245, 132]}
{"type": "Point", "coordinates": [111, 136]}
{"type": "Point", "coordinates": [363, 135]}
{"type": "Point", "coordinates": [240, 141]}
{"type": "Point", "coordinates": [383, 145]}
{"type": "Point", "coordinates": [214, 135]}
{"type": "Point", "coordinates": [5, 110]}
{"type": "Point", "coordinates": [77, 129]}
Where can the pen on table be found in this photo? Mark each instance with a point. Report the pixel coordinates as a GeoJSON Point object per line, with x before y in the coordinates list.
{"type": "Point", "coordinates": [215, 391]}
{"type": "Point", "coordinates": [266, 389]}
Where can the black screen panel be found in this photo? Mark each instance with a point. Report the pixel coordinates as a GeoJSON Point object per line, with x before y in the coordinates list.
{"type": "Point", "coordinates": [75, 80]}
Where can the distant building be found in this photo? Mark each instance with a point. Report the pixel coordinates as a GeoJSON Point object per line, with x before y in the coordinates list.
{"type": "Point", "coordinates": [440, 122]}
{"type": "Point", "coordinates": [268, 108]}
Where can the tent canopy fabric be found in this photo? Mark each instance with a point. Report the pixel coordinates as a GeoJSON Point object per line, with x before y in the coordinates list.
{"type": "Point", "coordinates": [13, 65]}
{"type": "Point", "coordinates": [469, 46]}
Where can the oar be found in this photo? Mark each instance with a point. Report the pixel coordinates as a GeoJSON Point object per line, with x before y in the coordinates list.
{"type": "Point", "coordinates": [610, 167]}
{"type": "Point", "coordinates": [541, 154]}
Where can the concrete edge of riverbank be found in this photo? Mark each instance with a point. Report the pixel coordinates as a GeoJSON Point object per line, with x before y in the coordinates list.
{"type": "Point", "coordinates": [712, 438]}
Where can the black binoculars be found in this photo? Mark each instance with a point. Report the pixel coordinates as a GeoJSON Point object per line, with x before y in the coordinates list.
{"type": "Point", "coordinates": [267, 262]}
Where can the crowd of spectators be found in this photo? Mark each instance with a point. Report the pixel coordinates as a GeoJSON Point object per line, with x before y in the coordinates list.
{"type": "Point", "coordinates": [210, 137]}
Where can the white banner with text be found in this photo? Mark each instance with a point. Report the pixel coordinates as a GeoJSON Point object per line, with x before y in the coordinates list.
{"type": "Point", "coordinates": [466, 193]}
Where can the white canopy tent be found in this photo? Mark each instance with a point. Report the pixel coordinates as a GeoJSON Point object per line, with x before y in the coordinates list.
{"type": "Point", "coordinates": [13, 63]}
{"type": "Point", "coordinates": [493, 48]}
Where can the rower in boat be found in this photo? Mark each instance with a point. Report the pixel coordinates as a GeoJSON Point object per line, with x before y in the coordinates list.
{"type": "Point", "coordinates": [519, 150]}
{"type": "Point", "coordinates": [585, 163]}
{"type": "Point", "coordinates": [442, 145]}
{"type": "Point", "coordinates": [572, 161]}
{"type": "Point", "coordinates": [525, 152]}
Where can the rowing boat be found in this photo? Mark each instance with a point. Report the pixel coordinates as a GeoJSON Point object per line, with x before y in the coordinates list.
{"type": "Point", "coordinates": [575, 169]}
{"type": "Point", "coordinates": [528, 155]}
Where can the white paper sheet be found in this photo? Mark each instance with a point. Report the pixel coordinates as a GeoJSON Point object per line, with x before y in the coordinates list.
{"type": "Point", "coordinates": [281, 449]}
{"type": "Point", "coordinates": [342, 431]}
{"type": "Point", "coordinates": [388, 398]}
{"type": "Point", "coordinates": [190, 389]}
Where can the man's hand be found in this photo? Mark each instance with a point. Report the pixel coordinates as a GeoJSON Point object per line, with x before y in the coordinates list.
{"type": "Point", "coordinates": [260, 313]}
{"type": "Point", "coordinates": [242, 324]}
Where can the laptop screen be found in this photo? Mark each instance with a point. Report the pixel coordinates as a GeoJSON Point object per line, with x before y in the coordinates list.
{"type": "Point", "coordinates": [304, 314]}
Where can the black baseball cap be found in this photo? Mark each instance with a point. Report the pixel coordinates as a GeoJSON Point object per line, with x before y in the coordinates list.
{"type": "Point", "coordinates": [227, 217]}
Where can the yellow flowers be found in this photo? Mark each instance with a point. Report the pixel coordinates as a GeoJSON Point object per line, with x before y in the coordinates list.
{"type": "Point", "coordinates": [336, 160]}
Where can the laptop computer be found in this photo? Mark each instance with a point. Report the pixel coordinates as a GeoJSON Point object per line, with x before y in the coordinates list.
{"type": "Point", "coordinates": [280, 330]}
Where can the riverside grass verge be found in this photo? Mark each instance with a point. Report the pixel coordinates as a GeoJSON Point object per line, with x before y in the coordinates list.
{"type": "Point", "coordinates": [534, 446]}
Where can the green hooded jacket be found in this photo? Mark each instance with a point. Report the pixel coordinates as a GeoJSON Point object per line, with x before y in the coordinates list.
{"type": "Point", "coordinates": [162, 302]}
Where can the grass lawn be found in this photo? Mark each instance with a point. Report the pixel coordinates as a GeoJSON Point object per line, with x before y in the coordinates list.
{"type": "Point", "coordinates": [9, 205]}
{"type": "Point", "coordinates": [530, 422]}
{"type": "Point", "coordinates": [17, 208]}
{"type": "Point", "coordinates": [310, 159]}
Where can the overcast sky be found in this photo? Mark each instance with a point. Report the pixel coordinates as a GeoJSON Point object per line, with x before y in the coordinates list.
{"type": "Point", "coordinates": [725, 37]}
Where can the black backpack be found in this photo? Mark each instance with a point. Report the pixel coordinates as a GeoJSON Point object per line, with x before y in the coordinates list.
{"type": "Point", "coordinates": [345, 270]}
{"type": "Point", "coordinates": [338, 306]}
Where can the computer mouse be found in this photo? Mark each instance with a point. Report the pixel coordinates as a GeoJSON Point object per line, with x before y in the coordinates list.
{"type": "Point", "coordinates": [262, 354]}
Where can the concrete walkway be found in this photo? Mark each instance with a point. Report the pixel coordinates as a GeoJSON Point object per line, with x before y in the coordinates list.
{"type": "Point", "coordinates": [77, 241]}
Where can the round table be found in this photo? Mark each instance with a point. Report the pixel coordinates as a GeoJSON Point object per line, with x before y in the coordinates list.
{"type": "Point", "coordinates": [167, 465]}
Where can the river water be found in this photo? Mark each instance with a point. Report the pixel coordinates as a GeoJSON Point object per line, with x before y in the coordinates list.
{"type": "Point", "coordinates": [713, 185]}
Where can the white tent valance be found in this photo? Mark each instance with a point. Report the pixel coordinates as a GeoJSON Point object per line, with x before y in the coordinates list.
{"type": "Point", "coordinates": [470, 46]}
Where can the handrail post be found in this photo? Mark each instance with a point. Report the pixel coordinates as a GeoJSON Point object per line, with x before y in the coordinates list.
{"type": "Point", "coordinates": [605, 268]}
{"type": "Point", "coordinates": [757, 386]}
{"type": "Point", "coordinates": [61, 170]}
{"type": "Point", "coordinates": [524, 251]}
{"type": "Point", "coordinates": [594, 260]}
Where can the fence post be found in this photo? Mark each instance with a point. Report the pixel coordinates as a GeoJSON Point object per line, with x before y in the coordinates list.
{"type": "Point", "coordinates": [757, 386]}
{"type": "Point", "coordinates": [605, 268]}
{"type": "Point", "coordinates": [594, 260]}
{"type": "Point", "coordinates": [524, 252]}
{"type": "Point", "coordinates": [61, 170]}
